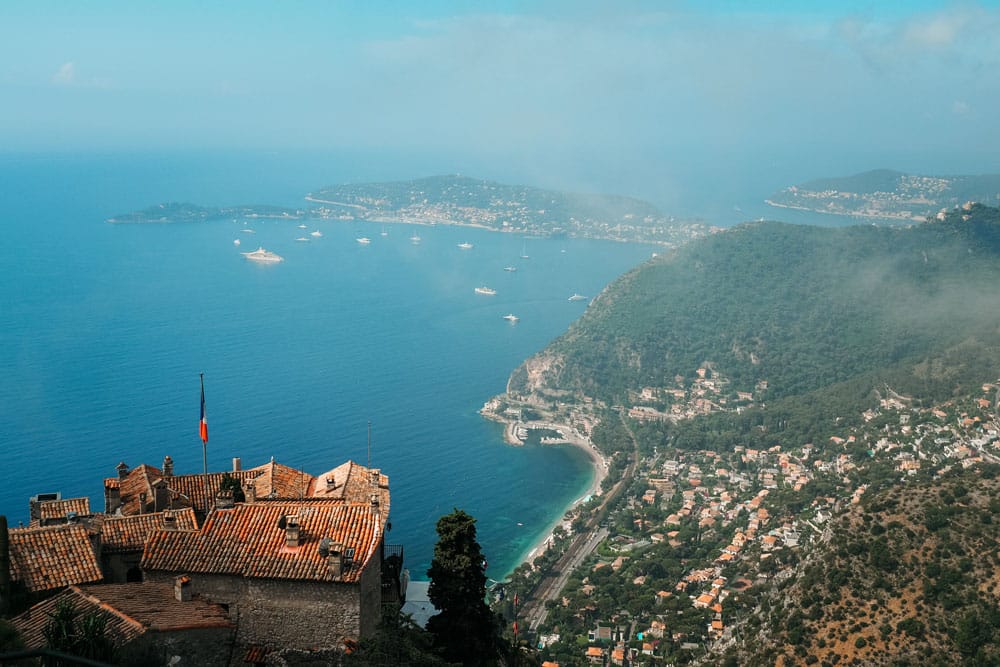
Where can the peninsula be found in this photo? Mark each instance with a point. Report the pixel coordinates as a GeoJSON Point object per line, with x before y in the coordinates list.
{"type": "Point", "coordinates": [884, 194]}
{"type": "Point", "coordinates": [460, 201]}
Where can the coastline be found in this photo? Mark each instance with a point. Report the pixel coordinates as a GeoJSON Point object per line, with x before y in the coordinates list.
{"type": "Point", "coordinates": [599, 466]}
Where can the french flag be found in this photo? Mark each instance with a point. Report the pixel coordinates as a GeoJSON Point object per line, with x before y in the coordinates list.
{"type": "Point", "coordinates": [203, 422]}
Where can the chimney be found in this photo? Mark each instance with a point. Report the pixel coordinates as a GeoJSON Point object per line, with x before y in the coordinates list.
{"type": "Point", "coordinates": [376, 476]}
{"type": "Point", "coordinates": [142, 502]}
{"type": "Point", "coordinates": [112, 496]}
{"type": "Point", "coordinates": [237, 464]}
{"type": "Point", "coordinates": [161, 496]}
{"type": "Point", "coordinates": [182, 588]}
{"type": "Point", "coordinates": [168, 466]}
{"type": "Point", "coordinates": [250, 492]}
{"type": "Point", "coordinates": [169, 521]}
{"type": "Point", "coordinates": [224, 499]}
{"type": "Point", "coordinates": [122, 469]}
{"type": "Point", "coordinates": [292, 530]}
{"type": "Point", "coordinates": [331, 483]}
{"type": "Point", "coordinates": [335, 559]}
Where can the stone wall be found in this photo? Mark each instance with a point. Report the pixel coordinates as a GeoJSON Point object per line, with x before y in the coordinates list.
{"type": "Point", "coordinates": [196, 647]}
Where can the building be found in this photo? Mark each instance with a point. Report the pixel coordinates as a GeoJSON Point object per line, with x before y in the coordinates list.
{"type": "Point", "coordinates": [298, 562]}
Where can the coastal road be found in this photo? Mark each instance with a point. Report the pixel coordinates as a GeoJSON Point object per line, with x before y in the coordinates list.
{"type": "Point", "coordinates": [533, 612]}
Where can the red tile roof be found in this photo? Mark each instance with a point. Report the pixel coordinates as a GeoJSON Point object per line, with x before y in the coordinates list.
{"type": "Point", "coordinates": [247, 541]}
{"type": "Point", "coordinates": [354, 483]}
{"type": "Point", "coordinates": [50, 510]}
{"type": "Point", "coordinates": [125, 533]}
{"type": "Point", "coordinates": [131, 610]}
{"type": "Point", "coordinates": [52, 557]}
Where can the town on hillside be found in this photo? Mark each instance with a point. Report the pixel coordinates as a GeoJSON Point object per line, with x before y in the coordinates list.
{"type": "Point", "coordinates": [695, 532]}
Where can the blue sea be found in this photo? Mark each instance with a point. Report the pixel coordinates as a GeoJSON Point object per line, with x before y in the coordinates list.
{"type": "Point", "coordinates": [104, 330]}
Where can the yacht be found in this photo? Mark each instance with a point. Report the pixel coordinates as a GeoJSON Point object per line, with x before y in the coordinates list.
{"type": "Point", "coordinates": [415, 238]}
{"type": "Point", "coordinates": [465, 246]}
{"type": "Point", "coordinates": [383, 232]}
{"type": "Point", "coordinates": [302, 238]}
{"type": "Point", "coordinates": [511, 269]}
{"type": "Point", "coordinates": [236, 241]}
{"type": "Point", "coordinates": [316, 233]}
{"type": "Point", "coordinates": [511, 317]}
{"type": "Point", "coordinates": [261, 255]}
{"type": "Point", "coordinates": [577, 297]}
{"type": "Point", "coordinates": [486, 290]}
{"type": "Point", "coordinates": [364, 240]}
{"type": "Point", "coordinates": [302, 227]}
{"type": "Point", "coordinates": [247, 230]}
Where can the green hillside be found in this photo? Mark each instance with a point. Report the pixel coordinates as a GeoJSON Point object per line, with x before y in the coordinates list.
{"type": "Point", "coordinates": [823, 316]}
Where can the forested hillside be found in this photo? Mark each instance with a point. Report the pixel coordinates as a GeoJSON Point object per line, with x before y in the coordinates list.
{"type": "Point", "coordinates": [820, 317]}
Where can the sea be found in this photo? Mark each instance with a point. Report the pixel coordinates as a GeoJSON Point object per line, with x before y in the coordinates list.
{"type": "Point", "coordinates": [379, 353]}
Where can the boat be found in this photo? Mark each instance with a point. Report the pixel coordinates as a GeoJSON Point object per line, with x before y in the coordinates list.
{"type": "Point", "coordinates": [302, 227]}
{"type": "Point", "coordinates": [510, 268]}
{"type": "Point", "coordinates": [511, 317]}
{"type": "Point", "coordinates": [415, 239]}
{"type": "Point", "coordinates": [247, 230]}
{"type": "Point", "coordinates": [486, 290]}
{"type": "Point", "coordinates": [364, 240]}
{"type": "Point", "coordinates": [261, 255]}
{"type": "Point", "coordinates": [236, 241]}
{"type": "Point", "coordinates": [465, 246]}
{"type": "Point", "coordinates": [524, 251]}
{"type": "Point", "coordinates": [316, 233]}
{"type": "Point", "coordinates": [577, 297]}
{"type": "Point", "coordinates": [383, 232]}
{"type": "Point", "coordinates": [302, 238]}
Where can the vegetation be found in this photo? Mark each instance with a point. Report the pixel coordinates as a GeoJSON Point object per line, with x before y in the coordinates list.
{"type": "Point", "coordinates": [465, 630]}
{"type": "Point", "coordinates": [81, 635]}
{"type": "Point", "coordinates": [825, 317]}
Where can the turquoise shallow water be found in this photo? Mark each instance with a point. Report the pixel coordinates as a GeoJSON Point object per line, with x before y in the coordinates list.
{"type": "Point", "coordinates": [105, 329]}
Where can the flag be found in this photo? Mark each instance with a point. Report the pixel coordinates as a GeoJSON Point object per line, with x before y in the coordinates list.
{"type": "Point", "coordinates": [203, 422]}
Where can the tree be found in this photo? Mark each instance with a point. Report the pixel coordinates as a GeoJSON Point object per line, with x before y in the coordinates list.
{"type": "Point", "coordinates": [465, 629]}
{"type": "Point", "coordinates": [397, 641]}
{"type": "Point", "coordinates": [230, 483]}
{"type": "Point", "coordinates": [84, 636]}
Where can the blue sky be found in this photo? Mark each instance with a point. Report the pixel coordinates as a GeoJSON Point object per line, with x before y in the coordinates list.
{"type": "Point", "coordinates": [597, 95]}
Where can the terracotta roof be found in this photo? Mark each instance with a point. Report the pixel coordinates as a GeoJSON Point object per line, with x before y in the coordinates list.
{"type": "Point", "coordinates": [52, 557]}
{"type": "Point", "coordinates": [51, 510]}
{"type": "Point", "coordinates": [124, 533]}
{"type": "Point", "coordinates": [131, 610]}
{"type": "Point", "coordinates": [354, 483]}
{"type": "Point", "coordinates": [247, 541]}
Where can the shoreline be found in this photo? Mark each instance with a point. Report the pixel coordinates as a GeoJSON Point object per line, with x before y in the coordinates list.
{"type": "Point", "coordinates": [599, 466]}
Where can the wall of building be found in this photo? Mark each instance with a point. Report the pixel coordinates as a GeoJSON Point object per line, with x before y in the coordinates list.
{"type": "Point", "coordinates": [208, 646]}
{"type": "Point", "coordinates": [303, 615]}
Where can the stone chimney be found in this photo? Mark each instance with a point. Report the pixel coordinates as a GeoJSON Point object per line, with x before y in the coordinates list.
{"type": "Point", "coordinates": [331, 483]}
{"type": "Point", "coordinates": [182, 588]}
{"type": "Point", "coordinates": [250, 492]}
{"type": "Point", "coordinates": [142, 502]}
{"type": "Point", "coordinates": [122, 469]}
{"type": "Point", "coordinates": [335, 559]}
{"type": "Point", "coordinates": [168, 466]}
{"type": "Point", "coordinates": [224, 499]}
{"type": "Point", "coordinates": [237, 464]}
{"type": "Point", "coordinates": [112, 496]}
{"type": "Point", "coordinates": [292, 530]}
{"type": "Point", "coordinates": [169, 521]}
{"type": "Point", "coordinates": [161, 496]}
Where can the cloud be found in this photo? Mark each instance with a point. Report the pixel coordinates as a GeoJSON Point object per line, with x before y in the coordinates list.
{"type": "Point", "coordinates": [65, 75]}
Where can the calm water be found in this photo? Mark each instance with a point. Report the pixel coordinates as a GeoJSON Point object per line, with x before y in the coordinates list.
{"type": "Point", "coordinates": [105, 328]}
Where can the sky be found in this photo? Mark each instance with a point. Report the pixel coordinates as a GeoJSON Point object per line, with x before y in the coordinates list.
{"type": "Point", "coordinates": [624, 97]}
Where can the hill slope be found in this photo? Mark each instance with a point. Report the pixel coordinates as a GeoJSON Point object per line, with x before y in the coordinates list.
{"type": "Point", "coordinates": [805, 311]}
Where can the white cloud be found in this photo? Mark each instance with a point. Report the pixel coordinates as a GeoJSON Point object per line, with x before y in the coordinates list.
{"type": "Point", "coordinates": [66, 75]}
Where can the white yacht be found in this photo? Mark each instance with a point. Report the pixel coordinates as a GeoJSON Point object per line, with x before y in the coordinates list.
{"type": "Point", "coordinates": [486, 290]}
{"type": "Point", "coordinates": [415, 238]}
{"type": "Point", "coordinates": [316, 233]}
{"type": "Point", "coordinates": [511, 317]}
{"type": "Point", "coordinates": [364, 240]}
{"type": "Point", "coordinates": [465, 246]}
{"type": "Point", "coordinates": [510, 269]}
{"type": "Point", "coordinates": [577, 297]}
{"type": "Point", "coordinates": [261, 255]}
{"type": "Point", "coordinates": [236, 241]}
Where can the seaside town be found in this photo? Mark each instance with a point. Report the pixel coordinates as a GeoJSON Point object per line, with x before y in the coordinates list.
{"type": "Point", "coordinates": [682, 549]}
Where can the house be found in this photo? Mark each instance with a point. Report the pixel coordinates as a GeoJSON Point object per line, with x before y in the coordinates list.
{"type": "Point", "coordinates": [142, 620]}
{"type": "Point", "coordinates": [300, 562]}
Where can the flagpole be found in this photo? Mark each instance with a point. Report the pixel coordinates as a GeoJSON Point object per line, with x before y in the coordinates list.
{"type": "Point", "coordinates": [203, 432]}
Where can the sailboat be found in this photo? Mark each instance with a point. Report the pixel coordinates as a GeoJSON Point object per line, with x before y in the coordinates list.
{"type": "Point", "coordinates": [524, 250]}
